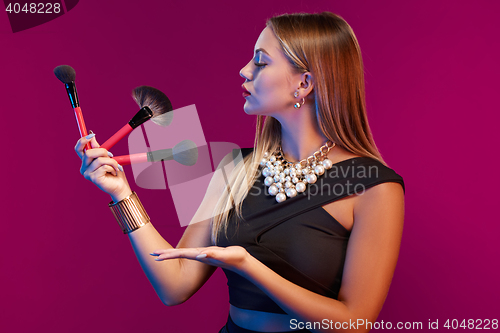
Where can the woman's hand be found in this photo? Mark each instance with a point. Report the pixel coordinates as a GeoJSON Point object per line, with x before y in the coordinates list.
{"type": "Point", "coordinates": [231, 257]}
{"type": "Point", "coordinates": [101, 169]}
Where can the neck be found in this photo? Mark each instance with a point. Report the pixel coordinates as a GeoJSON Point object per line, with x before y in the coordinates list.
{"type": "Point", "coordinates": [300, 135]}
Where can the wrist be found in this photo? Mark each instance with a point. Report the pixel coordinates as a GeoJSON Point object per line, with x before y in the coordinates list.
{"type": "Point", "coordinates": [246, 265]}
{"type": "Point", "coordinates": [129, 213]}
{"type": "Point", "coordinates": [116, 197]}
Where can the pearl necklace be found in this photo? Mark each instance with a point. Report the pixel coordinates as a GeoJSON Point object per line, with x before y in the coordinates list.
{"type": "Point", "coordinates": [286, 179]}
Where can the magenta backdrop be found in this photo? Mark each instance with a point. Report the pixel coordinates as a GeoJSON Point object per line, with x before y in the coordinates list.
{"type": "Point", "coordinates": [431, 76]}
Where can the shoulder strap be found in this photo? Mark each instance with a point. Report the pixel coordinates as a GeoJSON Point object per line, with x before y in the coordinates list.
{"type": "Point", "coordinates": [352, 176]}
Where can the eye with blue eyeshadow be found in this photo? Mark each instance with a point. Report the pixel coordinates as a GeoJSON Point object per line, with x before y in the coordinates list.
{"type": "Point", "coordinates": [258, 59]}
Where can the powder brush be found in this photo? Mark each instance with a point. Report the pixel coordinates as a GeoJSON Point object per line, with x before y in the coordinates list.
{"type": "Point", "coordinates": [66, 74]}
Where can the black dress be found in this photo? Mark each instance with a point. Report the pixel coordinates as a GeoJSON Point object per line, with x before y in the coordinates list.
{"type": "Point", "coordinates": [297, 238]}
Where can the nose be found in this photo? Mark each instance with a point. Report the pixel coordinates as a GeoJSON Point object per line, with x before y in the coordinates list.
{"type": "Point", "coordinates": [246, 73]}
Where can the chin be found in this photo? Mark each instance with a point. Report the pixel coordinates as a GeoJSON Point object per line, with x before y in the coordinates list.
{"type": "Point", "coordinates": [250, 111]}
{"type": "Point", "coordinates": [255, 111]}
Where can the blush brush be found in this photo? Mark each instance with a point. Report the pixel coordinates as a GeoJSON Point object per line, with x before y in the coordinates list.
{"type": "Point", "coordinates": [185, 153]}
{"type": "Point", "coordinates": [66, 74]}
{"type": "Point", "coordinates": [154, 105]}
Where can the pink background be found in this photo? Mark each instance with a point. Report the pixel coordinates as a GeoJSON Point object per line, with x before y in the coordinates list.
{"type": "Point", "coordinates": [432, 80]}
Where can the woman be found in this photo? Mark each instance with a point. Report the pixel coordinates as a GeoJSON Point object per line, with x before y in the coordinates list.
{"type": "Point", "coordinates": [319, 253]}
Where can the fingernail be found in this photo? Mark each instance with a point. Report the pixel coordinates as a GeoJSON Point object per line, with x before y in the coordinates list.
{"type": "Point", "coordinates": [110, 155]}
{"type": "Point", "coordinates": [158, 259]}
{"type": "Point", "coordinates": [201, 256]}
{"type": "Point", "coordinates": [90, 136]}
{"type": "Point", "coordinates": [90, 132]}
{"type": "Point", "coordinates": [154, 254]}
{"type": "Point", "coordinates": [120, 168]}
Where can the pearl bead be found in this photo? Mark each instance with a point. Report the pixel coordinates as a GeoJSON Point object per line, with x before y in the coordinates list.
{"type": "Point", "coordinates": [278, 185]}
{"type": "Point", "coordinates": [295, 180]}
{"type": "Point", "coordinates": [277, 163]}
{"type": "Point", "coordinates": [263, 162]}
{"type": "Point", "coordinates": [298, 166]}
{"type": "Point", "coordinates": [266, 172]}
{"type": "Point", "coordinates": [281, 197]}
{"type": "Point", "coordinates": [287, 171]}
{"type": "Point", "coordinates": [269, 164]}
{"type": "Point", "coordinates": [268, 181]}
{"type": "Point", "coordinates": [291, 192]}
{"type": "Point", "coordinates": [288, 184]}
{"type": "Point", "coordinates": [272, 159]}
{"type": "Point", "coordinates": [266, 154]}
{"type": "Point", "coordinates": [311, 178]}
{"type": "Point", "coordinates": [327, 163]}
{"type": "Point", "coordinates": [304, 171]}
{"type": "Point", "coordinates": [300, 187]}
{"type": "Point", "coordinates": [288, 178]}
{"type": "Point", "coordinates": [319, 170]}
{"type": "Point", "coordinates": [273, 190]}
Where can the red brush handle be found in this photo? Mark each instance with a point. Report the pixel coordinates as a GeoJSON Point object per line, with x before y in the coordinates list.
{"type": "Point", "coordinates": [117, 137]}
{"type": "Point", "coordinates": [81, 124]}
{"type": "Point", "coordinates": [131, 159]}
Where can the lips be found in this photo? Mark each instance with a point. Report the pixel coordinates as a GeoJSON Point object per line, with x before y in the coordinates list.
{"type": "Point", "coordinates": [245, 92]}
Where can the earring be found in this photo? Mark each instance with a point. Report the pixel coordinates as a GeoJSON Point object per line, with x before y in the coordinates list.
{"type": "Point", "coordinates": [298, 105]}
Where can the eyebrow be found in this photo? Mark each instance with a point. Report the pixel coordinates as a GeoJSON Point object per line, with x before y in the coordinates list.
{"type": "Point", "coordinates": [262, 50]}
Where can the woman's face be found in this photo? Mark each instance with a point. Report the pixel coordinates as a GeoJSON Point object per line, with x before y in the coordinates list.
{"type": "Point", "coordinates": [269, 78]}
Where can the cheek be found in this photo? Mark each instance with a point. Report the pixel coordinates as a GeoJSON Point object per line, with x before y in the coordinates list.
{"type": "Point", "coordinates": [269, 84]}
{"type": "Point", "coordinates": [261, 85]}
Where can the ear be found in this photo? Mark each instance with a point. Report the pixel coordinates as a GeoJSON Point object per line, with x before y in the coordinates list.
{"type": "Point", "coordinates": [306, 84]}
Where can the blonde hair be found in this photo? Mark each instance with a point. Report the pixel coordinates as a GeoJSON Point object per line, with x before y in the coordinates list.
{"type": "Point", "coordinates": [324, 45]}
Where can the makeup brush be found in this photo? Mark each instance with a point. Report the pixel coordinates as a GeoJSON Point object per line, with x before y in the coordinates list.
{"type": "Point", "coordinates": [66, 74]}
{"type": "Point", "coordinates": [154, 105]}
{"type": "Point", "coordinates": [185, 153]}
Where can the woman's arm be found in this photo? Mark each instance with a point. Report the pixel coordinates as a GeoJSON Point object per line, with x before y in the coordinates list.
{"type": "Point", "coordinates": [176, 280]}
{"type": "Point", "coordinates": [370, 262]}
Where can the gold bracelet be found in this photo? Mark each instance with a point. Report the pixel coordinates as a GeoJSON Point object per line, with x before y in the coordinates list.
{"type": "Point", "coordinates": [129, 213]}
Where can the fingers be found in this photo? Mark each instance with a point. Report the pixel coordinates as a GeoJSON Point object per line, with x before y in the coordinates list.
{"type": "Point", "coordinates": [90, 155]}
{"type": "Point", "coordinates": [187, 253]}
{"type": "Point", "coordinates": [101, 171]}
{"type": "Point", "coordinates": [93, 142]}
{"type": "Point", "coordinates": [98, 166]}
{"type": "Point", "coordinates": [80, 144]}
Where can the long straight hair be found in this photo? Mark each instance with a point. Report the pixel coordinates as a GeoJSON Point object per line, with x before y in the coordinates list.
{"type": "Point", "coordinates": [324, 45]}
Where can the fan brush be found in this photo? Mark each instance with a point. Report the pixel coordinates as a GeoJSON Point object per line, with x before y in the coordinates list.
{"type": "Point", "coordinates": [154, 105]}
